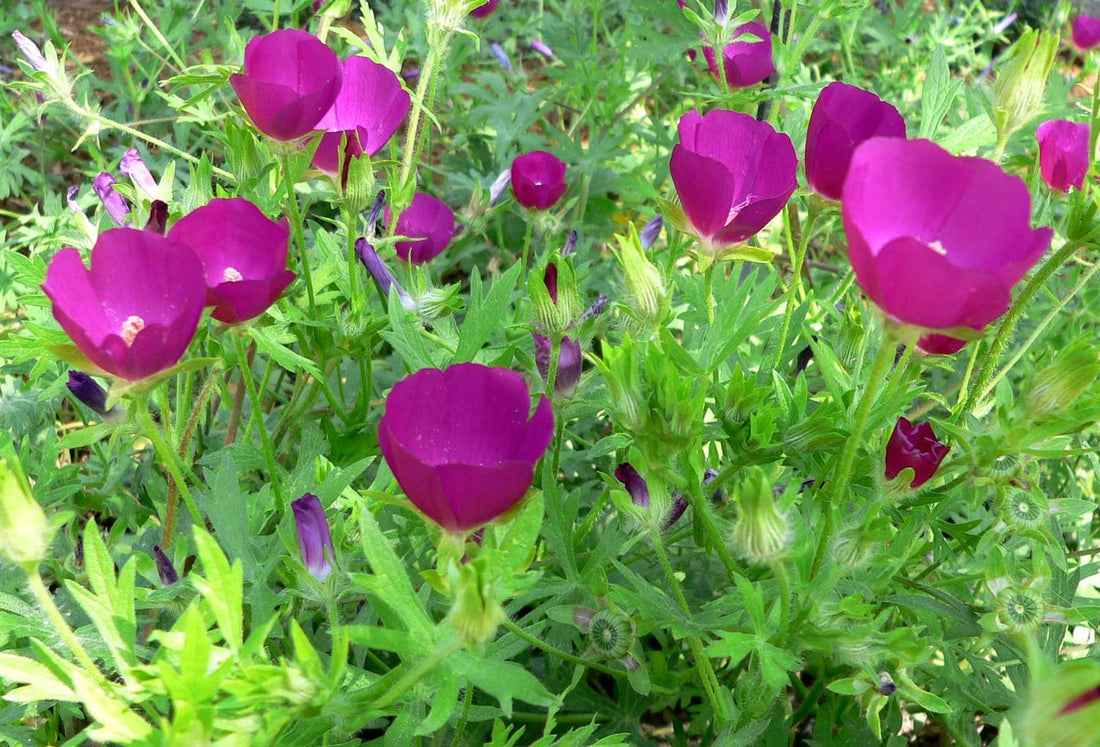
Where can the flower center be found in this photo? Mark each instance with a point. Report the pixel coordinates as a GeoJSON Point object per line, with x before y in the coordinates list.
{"type": "Point", "coordinates": [131, 327]}
{"type": "Point", "coordinates": [937, 247]}
{"type": "Point", "coordinates": [231, 275]}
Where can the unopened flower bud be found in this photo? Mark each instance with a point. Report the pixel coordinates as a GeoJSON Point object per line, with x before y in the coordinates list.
{"type": "Point", "coordinates": [570, 360]}
{"type": "Point", "coordinates": [158, 217]}
{"type": "Point", "coordinates": [634, 484]}
{"type": "Point", "coordinates": [113, 202]}
{"type": "Point", "coordinates": [679, 505]}
{"type": "Point", "coordinates": [314, 539]}
{"type": "Point", "coordinates": [496, 189]}
{"type": "Point", "coordinates": [134, 167]}
{"type": "Point", "coordinates": [543, 49]}
{"type": "Point", "coordinates": [645, 287]}
{"type": "Point", "coordinates": [1019, 88]}
{"type": "Point", "coordinates": [554, 296]}
{"type": "Point", "coordinates": [570, 243]}
{"type": "Point", "coordinates": [87, 390]}
{"type": "Point", "coordinates": [476, 612]}
{"type": "Point", "coordinates": [501, 55]}
{"type": "Point", "coordinates": [651, 230]}
{"type": "Point", "coordinates": [24, 531]}
{"type": "Point", "coordinates": [381, 274]}
{"type": "Point", "coordinates": [1058, 386]}
{"type": "Point", "coordinates": [32, 54]}
{"type": "Point", "coordinates": [165, 569]}
{"type": "Point", "coordinates": [81, 219]}
{"type": "Point", "coordinates": [761, 533]}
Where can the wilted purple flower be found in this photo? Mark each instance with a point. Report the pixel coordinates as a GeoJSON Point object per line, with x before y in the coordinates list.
{"type": "Point", "coordinates": [1004, 23]}
{"type": "Point", "coordinates": [134, 313]}
{"type": "Point", "coordinates": [570, 243]}
{"type": "Point", "coordinates": [135, 168]}
{"type": "Point", "coordinates": [501, 55]}
{"type": "Point", "coordinates": [243, 253]}
{"type": "Point", "coordinates": [543, 49]}
{"type": "Point", "coordinates": [651, 231]}
{"type": "Point", "coordinates": [1086, 32]}
{"type": "Point", "coordinates": [569, 363]}
{"type": "Point", "coordinates": [370, 107]}
{"type": "Point", "coordinates": [596, 308]}
{"type": "Point", "coordinates": [915, 447]}
{"type": "Point", "coordinates": [32, 53]}
{"type": "Point", "coordinates": [746, 62]}
{"type": "Point", "coordinates": [484, 9]}
{"type": "Point", "coordinates": [290, 80]}
{"type": "Point", "coordinates": [70, 198]}
{"type": "Point", "coordinates": [721, 11]}
{"type": "Point", "coordinates": [113, 202]}
{"type": "Point", "coordinates": [429, 222]}
{"type": "Point", "coordinates": [158, 217]}
{"type": "Point", "coordinates": [843, 117]}
{"type": "Point", "coordinates": [733, 175]}
{"type": "Point", "coordinates": [496, 189]}
{"type": "Point", "coordinates": [1063, 153]}
{"type": "Point", "coordinates": [634, 484]}
{"type": "Point", "coordinates": [87, 390]}
{"type": "Point", "coordinates": [165, 569]}
{"type": "Point", "coordinates": [538, 179]}
{"type": "Point", "coordinates": [314, 539]}
{"type": "Point", "coordinates": [679, 505]}
{"type": "Point", "coordinates": [461, 442]}
{"type": "Point", "coordinates": [381, 274]}
{"type": "Point", "coordinates": [937, 241]}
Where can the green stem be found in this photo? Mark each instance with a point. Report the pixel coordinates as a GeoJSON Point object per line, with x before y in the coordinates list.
{"type": "Point", "coordinates": [425, 98]}
{"type": "Point", "coordinates": [168, 456]}
{"type": "Point", "coordinates": [1008, 324]}
{"type": "Point", "coordinates": [552, 373]}
{"type": "Point", "coordinates": [708, 283]}
{"type": "Point", "coordinates": [296, 227]}
{"type": "Point", "coordinates": [45, 600]}
{"type": "Point", "coordinates": [701, 509]}
{"type": "Point", "coordinates": [527, 244]}
{"type": "Point", "coordinates": [900, 373]}
{"type": "Point", "coordinates": [354, 288]}
{"type": "Point", "coordinates": [794, 286]}
{"type": "Point", "coordinates": [258, 414]}
{"type": "Point", "coordinates": [833, 497]}
{"type": "Point", "coordinates": [156, 32]}
{"type": "Point", "coordinates": [460, 728]}
{"type": "Point", "coordinates": [414, 675]}
{"type": "Point", "coordinates": [784, 590]}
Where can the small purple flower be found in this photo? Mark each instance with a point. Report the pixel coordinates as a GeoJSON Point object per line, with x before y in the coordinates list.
{"type": "Point", "coordinates": [134, 313]}
{"type": "Point", "coordinates": [290, 80]}
{"type": "Point", "coordinates": [634, 484]}
{"type": "Point", "coordinates": [113, 202]}
{"type": "Point", "coordinates": [1086, 32]}
{"type": "Point", "coordinates": [501, 55]}
{"type": "Point", "coordinates": [915, 447]}
{"type": "Point", "coordinates": [651, 231]}
{"type": "Point", "coordinates": [87, 390]}
{"type": "Point", "coordinates": [543, 49]}
{"type": "Point", "coordinates": [936, 240]}
{"type": "Point", "coordinates": [733, 175]}
{"type": "Point", "coordinates": [381, 274]}
{"type": "Point", "coordinates": [570, 243]}
{"type": "Point", "coordinates": [569, 363]}
{"type": "Point", "coordinates": [462, 443]}
{"type": "Point", "coordinates": [1063, 153]}
{"type": "Point", "coordinates": [843, 117]}
{"type": "Point", "coordinates": [746, 62]}
{"type": "Point", "coordinates": [538, 179]}
{"type": "Point", "coordinates": [243, 253]}
{"type": "Point", "coordinates": [32, 53]}
{"type": "Point", "coordinates": [485, 9]}
{"type": "Point", "coordinates": [135, 168]}
{"type": "Point", "coordinates": [496, 189]}
{"type": "Point", "coordinates": [429, 223]}
{"type": "Point", "coordinates": [165, 569]}
{"type": "Point", "coordinates": [370, 107]}
{"type": "Point", "coordinates": [158, 217]}
{"type": "Point", "coordinates": [314, 539]}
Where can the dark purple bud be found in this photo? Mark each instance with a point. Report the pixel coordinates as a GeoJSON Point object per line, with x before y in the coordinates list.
{"type": "Point", "coordinates": [550, 279]}
{"type": "Point", "coordinates": [651, 231]}
{"type": "Point", "coordinates": [634, 484]}
{"type": "Point", "coordinates": [381, 274]}
{"type": "Point", "coordinates": [679, 505]}
{"type": "Point", "coordinates": [158, 217]}
{"type": "Point", "coordinates": [499, 185]}
{"type": "Point", "coordinates": [596, 308]}
{"type": "Point", "coordinates": [543, 49]}
{"type": "Point", "coordinates": [314, 539]}
{"type": "Point", "coordinates": [570, 243]}
{"type": "Point", "coordinates": [710, 476]}
{"type": "Point", "coordinates": [113, 202]}
{"type": "Point", "coordinates": [570, 361]}
{"type": "Point", "coordinates": [721, 11]}
{"type": "Point", "coordinates": [501, 55]}
{"type": "Point", "coordinates": [165, 569]}
{"type": "Point", "coordinates": [31, 52]}
{"type": "Point", "coordinates": [88, 391]}
{"type": "Point", "coordinates": [916, 448]}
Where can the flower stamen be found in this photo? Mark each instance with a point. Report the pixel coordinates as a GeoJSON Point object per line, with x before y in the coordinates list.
{"type": "Point", "coordinates": [231, 275]}
{"type": "Point", "coordinates": [130, 329]}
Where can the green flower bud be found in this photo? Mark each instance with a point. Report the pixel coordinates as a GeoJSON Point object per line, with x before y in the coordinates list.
{"type": "Point", "coordinates": [554, 296]}
{"type": "Point", "coordinates": [359, 186]}
{"type": "Point", "coordinates": [1020, 609]}
{"type": "Point", "coordinates": [24, 532]}
{"type": "Point", "coordinates": [1058, 386]}
{"type": "Point", "coordinates": [649, 299]}
{"type": "Point", "coordinates": [622, 373]}
{"type": "Point", "coordinates": [1022, 81]}
{"type": "Point", "coordinates": [1021, 510]}
{"type": "Point", "coordinates": [476, 612]}
{"type": "Point", "coordinates": [761, 533]}
{"type": "Point", "coordinates": [1062, 704]}
{"type": "Point", "coordinates": [610, 634]}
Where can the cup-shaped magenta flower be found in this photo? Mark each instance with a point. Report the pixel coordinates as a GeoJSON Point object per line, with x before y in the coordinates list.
{"type": "Point", "coordinates": [843, 117]}
{"type": "Point", "coordinates": [746, 62]}
{"type": "Point", "coordinates": [915, 447]}
{"type": "Point", "coordinates": [429, 222]}
{"type": "Point", "coordinates": [1086, 32]}
{"type": "Point", "coordinates": [538, 179]}
{"type": "Point", "coordinates": [1063, 153]}
{"type": "Point", "coordinates": [243, 253]}
{"type": "Point", "coordinates": [485, 9]}
{"type": "Point", "coordinates": [937, 241]}
{"type": "Point", "coordinates": [134, 313]}
{"type": "Point", "coordinates": [314, 539]}
{"type": "Point", "coordinates": [733, 175]}
{"type": "Point", "coordinates": [370, 107]}
{"type": "Point", "coordinates": [462, 442]}
{"type": "Point", "coordinates": [290, 80]}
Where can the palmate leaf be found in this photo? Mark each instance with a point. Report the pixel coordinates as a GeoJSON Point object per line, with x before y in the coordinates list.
{"type": "Point", "coordinates": [221, 587]}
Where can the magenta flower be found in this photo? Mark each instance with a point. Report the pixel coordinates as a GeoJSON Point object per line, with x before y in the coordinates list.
{"type": "Point", "coordinates": [747, 62]}
{"type": "Point", "coordinates": [113, 202]}
{"type": "Point", "coordinates": [915, 447]}
{"type": "Point", "coordinates": [461, 441]}
{"type": "Point", "coordinates": [538, 179]}
{"type": "Point", "coordinates": [733, 175]}
{"type": "Point", "coordinates": [1086, 32]}
{"type": "Point", "coordinates": [485, 9]}
{"type": "Point", "coordinates": [569, 363]}
{"type": "Point", "coordinates": [290, 80]}
{"type": "Point", "coordinates": [135, 312]}
{"type": "Point", "coordinates": [429, 222]}
{"type": "Point", "coordinates": [843, 117]}
{"type": "Point", "coordinates": [1063, 153]}
{"type": "Point", "coordinates": [937, 241]}
{"type": "Point", "coordinates": [370, 107]}
{"type": "Point", "coordinates": [243, 253]}
{"type": "Point", "coordinates": [314, 539]}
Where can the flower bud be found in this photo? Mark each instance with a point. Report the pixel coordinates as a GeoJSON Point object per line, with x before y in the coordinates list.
{"type": "Point", "coordinates": [33, 54]}
{"type": "Point", "coordinates": [501, 55]}
{"type": "Point", "coordinates": [82, 222]}
{"type": "Point", "coordinates": [24, 531]}
{"type": "Point", "coordinates": [113, 202]}
{"type": "Point", "coordinates": [649, 299]}
{"type": "Point", "coordinates": [314, 539]}
{"type": "Point", "coordinates": [610, 634]}
{"type": "Point", "coordinates": [496, 189]}
{"type": "Point", "coordinates": [158, 217]}
{"type": "Point", "coordinates": [622, 373]}
{"type": "Point", "coordinates": [761, 533]}
{"type": "Point", "coordinates": [1019, 88]}
{"type": "Point", "coordinates": [543, 49]}
{"type": "Point", "coordinates": [634, 484]}
{"type": "Point", "coordinates": [135, 168]}
{"type": "Point", "coordinates": [651, 230]}
{"type": "Point", "coordinates": [381, 274]}
{"type": "Point", "coordinates": [165, 569]}
{"type": "Point", "coordinates": [916, 448]}
{"type": "Point", "coordinates": [568, 373]}
{"type": "Point", "coordinates": [476, 612]}
{"type": "Point", "coordinates": [555, 298]}
{"type": "Point", "coordinates": [1059, 385]}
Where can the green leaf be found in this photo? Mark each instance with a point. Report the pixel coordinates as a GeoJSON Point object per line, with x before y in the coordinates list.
{"type": "Point", "coordinates": [283, 355]}
{"type": "Point", "coordinates": [485, 314]}
{"type": "Point", "coordinates": [444, 702]}
{"type": "Point", "coordinates": [39, 683]}
{"type": "Point", "coordinates": [937, 94]}
{"type": "Point", "coordinates": [502, 679]}
{"type": "Point", "coordinates": [387, 639]}
{"type": "Point", "coordinates": [221, 587]}
{"type": "Point", "coordinates": [389, 580]}
{"type": "Point", "coordinates": [516, 541]}
{"type": "Point", "coordinates": [404, 335]}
